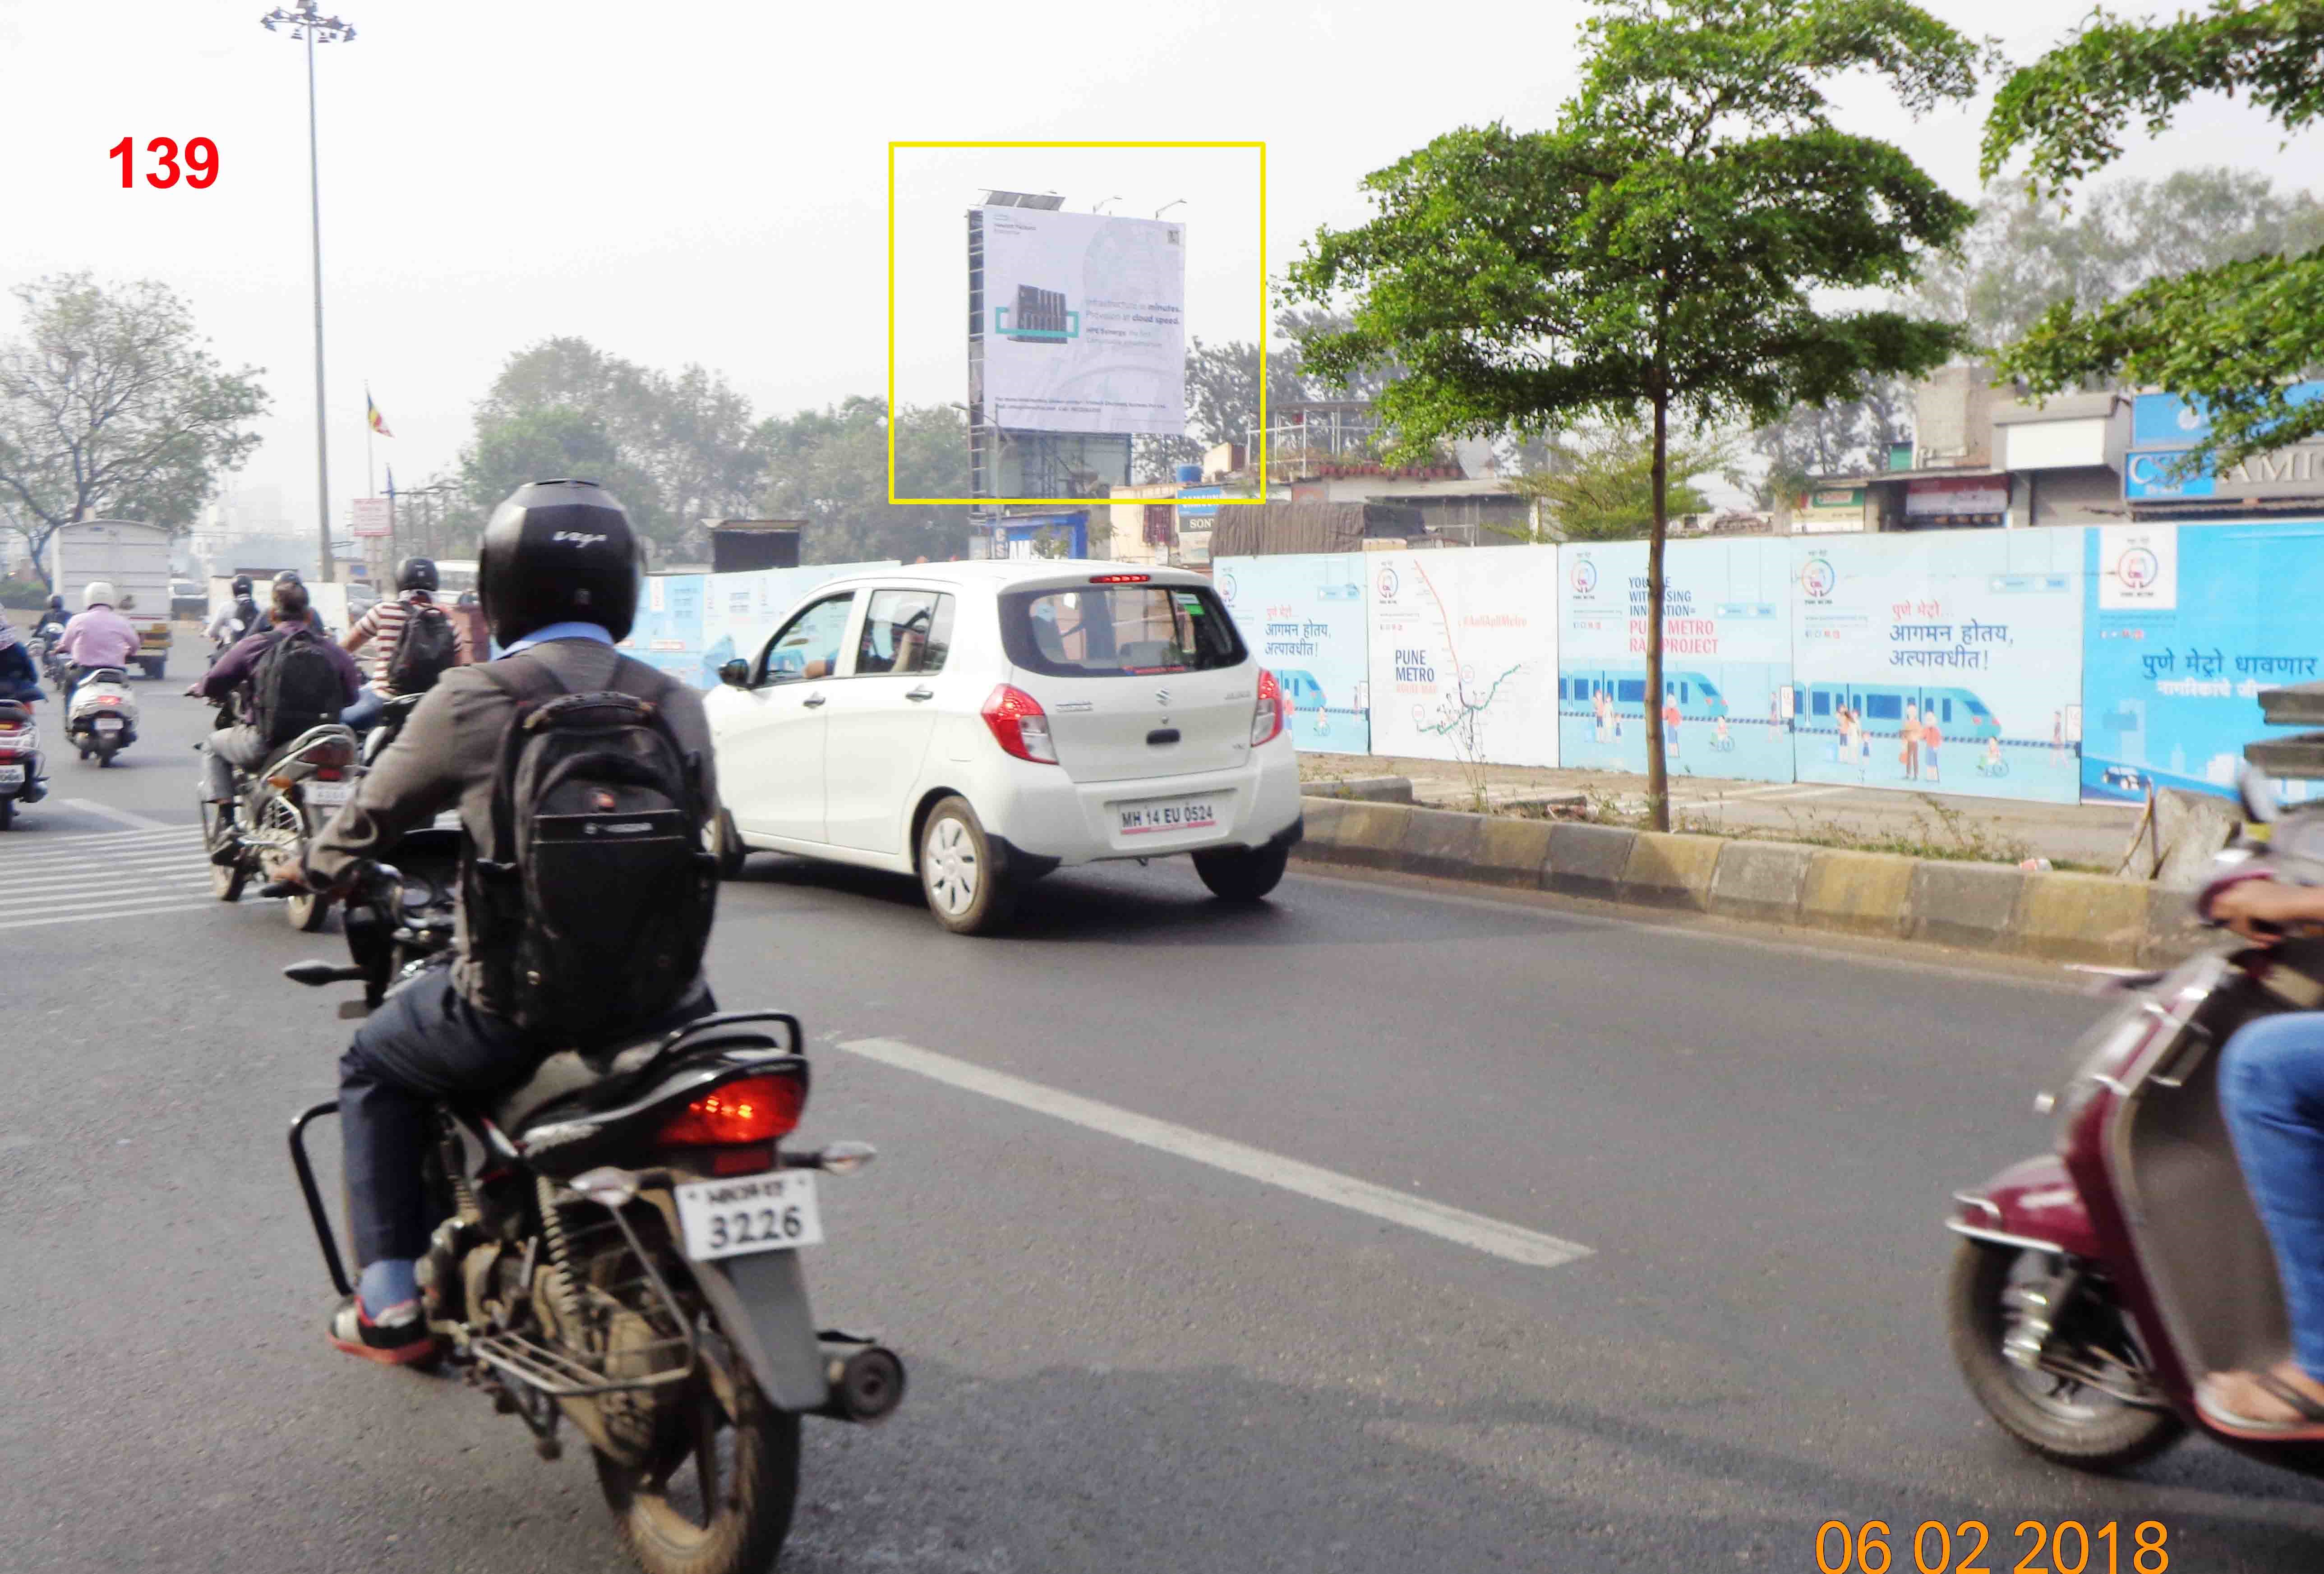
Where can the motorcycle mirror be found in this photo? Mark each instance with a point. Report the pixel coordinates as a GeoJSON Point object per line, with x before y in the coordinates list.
{"type": "Point", "coordinates": [2258, 796]}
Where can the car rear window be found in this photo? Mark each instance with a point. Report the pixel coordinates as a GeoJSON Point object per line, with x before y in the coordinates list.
{"type": "Point", "coordinates": [1119, 628]}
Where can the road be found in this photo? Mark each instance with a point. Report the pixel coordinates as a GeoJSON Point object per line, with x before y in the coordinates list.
{"type": "Point", "coordinates": [1131, 1347]}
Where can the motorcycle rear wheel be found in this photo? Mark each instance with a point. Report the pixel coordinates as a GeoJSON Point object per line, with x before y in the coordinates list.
{"type": "Point", "coordinates": [675, 1518]}
{"type": "Point", "coordinates": [2068, 1424]}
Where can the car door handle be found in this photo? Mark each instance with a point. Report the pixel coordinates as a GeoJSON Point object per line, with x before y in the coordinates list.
{"type": "Point", "coordinates": [812, 701]}
{"type": "Point", "coordinates": [922, 692]}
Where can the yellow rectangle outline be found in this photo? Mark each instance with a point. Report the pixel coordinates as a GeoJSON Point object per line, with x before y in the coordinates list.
{"type": "Point", "coordinates": [1021, 502]}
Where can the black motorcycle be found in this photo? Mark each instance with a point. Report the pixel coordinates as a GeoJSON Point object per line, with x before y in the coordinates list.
{"type": "Point", "coordinates": [620, 1249]}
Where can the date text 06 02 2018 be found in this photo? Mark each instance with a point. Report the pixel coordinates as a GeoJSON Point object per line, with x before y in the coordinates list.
{"type": "Point", "coordinates": [2067, 1547]}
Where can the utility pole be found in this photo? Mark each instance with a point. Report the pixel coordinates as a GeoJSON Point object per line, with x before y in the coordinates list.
{"type": "Point", "coordinates": [311, 28]}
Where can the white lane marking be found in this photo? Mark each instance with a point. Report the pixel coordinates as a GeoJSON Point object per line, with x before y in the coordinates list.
{"type": "Point", "coordinates": [91, 918]}
{"type": "Point", "coordinates": [1516, 1244]}
{"type": "Point", "coordinates": [119, 817]}
{"type": "Point", "coordinates": [107, 858]}
{"type": "Point", "coordinates": [102, 899]}
{"type": "Point", "coordinates": [35, 843]}
{"type": "Point", "coordinates": [101, 885]}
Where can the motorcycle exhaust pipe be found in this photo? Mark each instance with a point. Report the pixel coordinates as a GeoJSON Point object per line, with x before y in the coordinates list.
{"type": "Point", "coordinates": [865, 1380]}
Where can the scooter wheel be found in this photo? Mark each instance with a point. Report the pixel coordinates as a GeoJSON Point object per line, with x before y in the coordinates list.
{"type": "Point", "coordinates": [2053, 1416]}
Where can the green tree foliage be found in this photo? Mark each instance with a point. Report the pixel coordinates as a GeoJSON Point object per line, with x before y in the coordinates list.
{"type": "Point", "coordinates": [1599, 486]}
{"type": "Point", "coordinates": [2232, 334]}
{"type": "Point", "coordinates": [830, 468]}
{"type": "Point", "coordinates": [112, 407]}
{"type": "Point", "coordinates": [1668, 249]}
{"type": "Point", "coordinates": [1843, 437]}
{"type": "Point", "coordinates": [1222, 400]}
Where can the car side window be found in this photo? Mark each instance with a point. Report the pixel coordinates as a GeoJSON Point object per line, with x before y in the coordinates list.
{"type": "Point", "coordinates": [808, 646]}
{"type": "Point", "coordinates": [905, 631]}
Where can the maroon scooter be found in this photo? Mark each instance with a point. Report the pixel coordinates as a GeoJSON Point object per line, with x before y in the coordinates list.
{"type": "Point", "coordinates": [2092, 1288]}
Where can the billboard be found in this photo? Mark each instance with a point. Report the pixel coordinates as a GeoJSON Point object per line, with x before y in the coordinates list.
{"type": "Point", "coordinates": [1303, 617]}
{"type": "Point", "coordinates": [1726, 657]}
{"type": "Point", "coordinates": [1945, 664]}
{"type": "Point", "coordinates": [2164, 427]}
{"type": "Point", "coordinates": [2185, 625]}
{"type": "Point", "coordinates": [1084, 322]}
{"type": "Point", "coordinates": [667, 633]}
{"type": "Point", "coordinates": [1463, 654]}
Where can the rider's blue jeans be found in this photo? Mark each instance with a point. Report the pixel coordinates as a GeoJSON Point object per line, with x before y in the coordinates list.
{"type": "Point", "coordinates": [369, 706]}
{"type": "Point", "coordinates": [2272, 1090]}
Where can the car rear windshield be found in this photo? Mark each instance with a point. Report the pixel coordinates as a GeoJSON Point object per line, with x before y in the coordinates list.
{"type": "Point", "coordinates": [1119, 628]}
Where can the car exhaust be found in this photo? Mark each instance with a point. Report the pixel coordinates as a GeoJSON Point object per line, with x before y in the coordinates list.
{"type": "Point", "coordinates": [866, 1380]}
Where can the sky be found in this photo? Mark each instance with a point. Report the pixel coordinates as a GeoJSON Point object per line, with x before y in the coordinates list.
{"type": "Point", "coordinates": [709, 184]}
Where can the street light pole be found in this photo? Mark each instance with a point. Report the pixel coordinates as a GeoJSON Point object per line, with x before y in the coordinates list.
{"type": "Point", "coordinates": [307, 25]}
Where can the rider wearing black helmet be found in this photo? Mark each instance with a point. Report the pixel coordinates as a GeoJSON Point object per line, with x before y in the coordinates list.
{"type": "Point", "coordinates": [382, 628]}
{"type": "Point", "coordinates": [238, 617]}
{"type": "Point", "coordinates": [558, 571]}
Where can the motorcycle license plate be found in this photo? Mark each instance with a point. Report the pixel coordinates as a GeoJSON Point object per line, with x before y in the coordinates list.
{"type": "Point", "coordinates": [750, 1213]}
{"type": "Point", "coordinates": [108, 723]}
{"type": "Point", "coordinates": [12, 775]}
{"type": "Point", "coordinates": [325, 794]}
{"type": "Point", "coordinates": [1167, 815]}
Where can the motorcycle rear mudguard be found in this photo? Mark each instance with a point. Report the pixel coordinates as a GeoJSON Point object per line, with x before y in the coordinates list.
{"type": "Point", "coordinates": [761, 1304]}
{"type": "Point", "coordinates": [2031, 1203]}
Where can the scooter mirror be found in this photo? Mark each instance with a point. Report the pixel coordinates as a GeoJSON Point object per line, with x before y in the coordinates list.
{"type": "Point", "coordinates": [2258, 796]}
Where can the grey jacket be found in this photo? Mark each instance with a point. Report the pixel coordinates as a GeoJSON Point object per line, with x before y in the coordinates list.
{"type": "Point", "coordinates": [450, 749]}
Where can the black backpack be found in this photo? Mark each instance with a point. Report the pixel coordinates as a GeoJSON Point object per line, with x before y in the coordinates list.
{"type": "Point", "coordinates": [425, 650]}
{"type": "Point", "coordinates": [295, 686]}
{"type": "Point", "coordinates": [597, 922]}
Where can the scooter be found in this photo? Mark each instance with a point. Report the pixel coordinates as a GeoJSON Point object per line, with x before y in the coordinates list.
{"type": "Point", "coordinates": [2093, 1287]}
{"type": "Point", "coordinates": [102, 720]}
{"type": "Point", "coordinates": [20, 746]}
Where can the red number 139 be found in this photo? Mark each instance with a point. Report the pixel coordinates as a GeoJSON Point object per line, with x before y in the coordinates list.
{"type": "Point", "coordinates": [202, 156]}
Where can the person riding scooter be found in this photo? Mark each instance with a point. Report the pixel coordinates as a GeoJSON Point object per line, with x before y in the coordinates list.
{"type": "Point", "coordinates": [51, 624]}
{"type": "Point", "coordinates": [238, 617]}
{"type": "Point", "coordinates": [20, 682]}
{"type": "Point", "coordinates": [271, 719]}
{"type": "Point", "coordinates": [98, 636]}
{"type": "Point", "coordinates": [413, 642]}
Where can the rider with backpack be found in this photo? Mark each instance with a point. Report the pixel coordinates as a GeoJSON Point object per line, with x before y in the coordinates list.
{"type": "Point", "coordinates": [292, 678]}
{"type": "Point", "coordinates": [414, 642]}
{"type": "Point", "coordinates": [583, 784]}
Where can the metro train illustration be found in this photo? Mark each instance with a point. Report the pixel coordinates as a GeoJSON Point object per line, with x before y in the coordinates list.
{"type": "Point", "coordinates": [1959, 714]}
{"type": "Point", "coordinates": [1698, 696]}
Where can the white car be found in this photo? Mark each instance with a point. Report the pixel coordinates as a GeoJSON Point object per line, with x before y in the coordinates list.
{"type": "Point", "coordinates": [979, 724]}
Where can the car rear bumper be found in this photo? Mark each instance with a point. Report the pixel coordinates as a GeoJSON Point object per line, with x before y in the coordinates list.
{"type": "Point", "coordinates": [1043, 815]}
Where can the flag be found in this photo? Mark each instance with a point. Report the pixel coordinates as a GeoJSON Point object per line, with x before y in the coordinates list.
{"type": "Point", "coordinates": [372, 416]}
{"type": "Point", "coordinates": [390, 481]}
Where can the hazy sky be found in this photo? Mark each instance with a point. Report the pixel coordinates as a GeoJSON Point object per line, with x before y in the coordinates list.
{"type": "Point", "coordinates": [709, 183]}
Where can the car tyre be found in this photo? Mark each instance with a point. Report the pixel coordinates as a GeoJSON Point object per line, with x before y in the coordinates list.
{"type": "Point", "coordinates": [966, 889]}
{"type": "Point", "coordinates": [1242, 875]}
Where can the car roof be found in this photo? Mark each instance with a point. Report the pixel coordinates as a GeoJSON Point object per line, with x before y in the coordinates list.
{"type": "Point", "coordinates": [1014, 574]}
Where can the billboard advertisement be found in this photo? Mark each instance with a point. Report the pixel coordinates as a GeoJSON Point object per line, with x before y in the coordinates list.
{"type": "Point", "coordinates": [1303, 617]}
{"type": "Point", "coordinates": [1945, 664]}
{"type": "Point", "coordinates": [1463, 654]}
{"type": "Point", "coordinates": [2164, 427]}
{"type": "Point", "coordinates": [2185, 625]}
{"type": "Point", "coordinates": [1726, 657]}
{"type": "Point", "coordinates": [1084, 322]}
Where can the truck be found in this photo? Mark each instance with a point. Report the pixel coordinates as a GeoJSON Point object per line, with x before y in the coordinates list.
{"type": "Point", "coordinates": [134, 558]}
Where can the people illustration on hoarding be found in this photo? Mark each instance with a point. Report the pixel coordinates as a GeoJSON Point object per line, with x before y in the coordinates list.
{"type": "Point", "coordinates": [1930, 740]}
{"type": "Point", "coordinates": [1909, 755]}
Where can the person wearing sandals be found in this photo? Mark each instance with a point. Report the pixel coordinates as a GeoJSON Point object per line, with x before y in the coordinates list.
{"type": "Point", "coordinates": [2272, 1093]}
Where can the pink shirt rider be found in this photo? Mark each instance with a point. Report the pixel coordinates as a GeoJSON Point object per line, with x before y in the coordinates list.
{"type": "Point", "coordinates": [99, 636]}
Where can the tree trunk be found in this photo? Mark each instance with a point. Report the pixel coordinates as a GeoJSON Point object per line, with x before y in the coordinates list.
{"type": "Point", "coordinates": [1657, 765]}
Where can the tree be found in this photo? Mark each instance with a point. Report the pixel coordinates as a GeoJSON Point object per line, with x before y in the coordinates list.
{"type": "Point", "coordinates": [539, 444]}
{"type": "Point", "coordinates": [1222, 401]}
{"type": "Point", "coordinates": [830, 467]}
{"type": "Point", "coordinates": [1839, 437]}
{"type": "Point", "coordinates": [1667, 248]}
{"type": "Point", "coordinates": [2233, 335]}
{"type": "Point", "coordinates": [1601, 486]}
{"type": "Point", "coordinates": [112, 406]}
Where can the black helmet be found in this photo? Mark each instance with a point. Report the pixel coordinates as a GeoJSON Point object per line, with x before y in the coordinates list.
{"type": "Point", "coordinates": [56, 603]}
{"type": "Point", "coordinates": [241, 584]}
{"type": "Point", "coordinates": [416, 573]}
{"type": "Point", "coordinates": [557, 551]}
{"type": "Point", "coordinates": [289, 577]}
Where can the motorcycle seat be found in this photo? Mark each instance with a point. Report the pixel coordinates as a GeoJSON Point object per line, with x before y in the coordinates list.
{"type": "Point", "coordinates": [575, 1082]}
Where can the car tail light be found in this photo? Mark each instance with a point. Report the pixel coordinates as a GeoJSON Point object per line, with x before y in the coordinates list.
{"type": "Point", "coordinates": [1019, 725]}
{"type": "Point", "coordinates": [749, 1110]}
{"type": "Point", "coordinates": [1268, 717]}
{"type": "Point", "coordinates": [1120, 578]}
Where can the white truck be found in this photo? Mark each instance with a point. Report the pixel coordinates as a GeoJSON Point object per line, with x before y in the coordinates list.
{"type": "Point", "coordinates": [134, 558]}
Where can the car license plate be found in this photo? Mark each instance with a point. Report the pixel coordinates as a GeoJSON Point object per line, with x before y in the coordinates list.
{"type": "Point", "coordinates": [1167, 815]}
{"type": "Point", "coordinates": [12, 775]}
{"type": "Point", "coordinates": [750, 1213]}
{"type": "Point", "coordinates": [108, 723]}
{"type": "Point", "coordinates": [325, 794]}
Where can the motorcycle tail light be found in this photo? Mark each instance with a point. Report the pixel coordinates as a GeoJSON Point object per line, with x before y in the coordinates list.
{"type": "Point", "coordinates": [108, 699]}
{"type": "Point", "coordinates": [750, 1109]}
{"type": "Point", "coordinates": [328, 773]}
{"type": "Point", "coordinates": [335, 752]}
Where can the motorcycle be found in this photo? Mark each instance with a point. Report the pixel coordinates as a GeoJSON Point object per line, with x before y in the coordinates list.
{"type": "Point", "coordinates": [20, 744]}
{"type": "Point", "coordinates": [2093, 1287]}
{"type": "Point", "coordinates": [52, 663]}
{"type": "Point", "coordinates": [102, 719]}
{"type": "Point", "coordinates": [283, 803]}
{"type": "Point", "coordinates": [620, 1249]}
{"type": "Point", "coordinates": [384, 730]}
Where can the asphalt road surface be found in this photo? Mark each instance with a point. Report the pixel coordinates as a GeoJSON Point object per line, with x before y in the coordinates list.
{"type": "Point", "coordinates": [1381, 1229]}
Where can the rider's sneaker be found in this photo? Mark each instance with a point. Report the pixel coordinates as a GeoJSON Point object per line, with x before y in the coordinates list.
{"type": "Point", "coordinates": [225, 845]}
{"type": "Point", "coordinates": [398, 1340]}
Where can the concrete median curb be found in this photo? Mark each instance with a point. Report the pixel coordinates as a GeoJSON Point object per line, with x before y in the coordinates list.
{"type": "Point", "coordinates": [1976, 907]}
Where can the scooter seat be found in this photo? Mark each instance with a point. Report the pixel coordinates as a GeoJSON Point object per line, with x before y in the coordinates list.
{"type": "Point", "coordinates": [577, 1082]}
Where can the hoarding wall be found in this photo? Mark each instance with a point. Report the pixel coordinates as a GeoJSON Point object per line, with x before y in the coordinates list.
{"type": "Point", "coordinates": [1306, 619]}
{"type": "Point", "coordinates": [1084, 326]}
{"type": "Point", "coordinates": [2187, 624]}
{"type": "Point", "coordinates": [1940, 663]}
{"type": "Point", "coordinates": [1463, 654]}
{"type": "Point", "coordinates": [668, 632]}
{"type": "Point", "coordinates": [1726, 657]}
{"type": "Point", "coordinates": [741, 611]}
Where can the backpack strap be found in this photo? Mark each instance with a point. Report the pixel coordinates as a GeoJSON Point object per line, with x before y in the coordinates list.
{"type": "Point", "coordinates": [530, 684]}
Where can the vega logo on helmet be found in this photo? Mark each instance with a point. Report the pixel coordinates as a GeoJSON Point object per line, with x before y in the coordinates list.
{"type": "Point", "coordinates": [578, 538]}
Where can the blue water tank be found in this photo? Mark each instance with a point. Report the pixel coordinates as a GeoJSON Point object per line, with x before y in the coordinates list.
{"type": "Point", "coordinates": [1188, 474]}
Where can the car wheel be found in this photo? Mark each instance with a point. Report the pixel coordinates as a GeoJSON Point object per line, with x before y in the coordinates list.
{"type": "Point", "coordinates": [963, 883]}
{"type": "Point", "coordinates": [1242, 875]}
